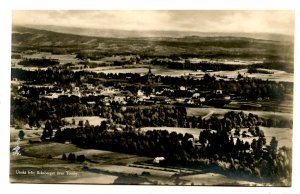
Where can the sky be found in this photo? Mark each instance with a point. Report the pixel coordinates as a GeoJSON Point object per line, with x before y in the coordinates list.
{"type": "Point", "coordinates": [246, 21]}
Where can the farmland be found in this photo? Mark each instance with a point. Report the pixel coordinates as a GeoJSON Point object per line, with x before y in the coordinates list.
{"type": "Point", "coordinates": [92, 120]}
{"type": "Point", "coordinates": [206, 112]}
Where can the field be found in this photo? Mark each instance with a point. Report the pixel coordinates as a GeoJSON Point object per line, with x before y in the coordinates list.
{"type": "Point", "coordinates": [207, 112]}
{"type": "Point", "coordinates": [63, 59]}
{"type": "Point", "coordinates": [283, 135]}
{"type": "Point", "coordinates": [275, 75]}
{"type": "Point", "coordinates": [93, 120]}
{"type": "Point", "coordinates": [143, 69]}
{"type": "Point", "coordinates": [163, 71]}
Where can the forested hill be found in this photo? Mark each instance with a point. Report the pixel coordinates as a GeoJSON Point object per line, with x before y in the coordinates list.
{"type": "Point", "coordinates": [24, 38]}
{"type": "Point", "coordinates": [155, 33]}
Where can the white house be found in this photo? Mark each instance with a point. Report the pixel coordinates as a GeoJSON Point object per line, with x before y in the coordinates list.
{"type": "Point", "coordinates": [157, 160]}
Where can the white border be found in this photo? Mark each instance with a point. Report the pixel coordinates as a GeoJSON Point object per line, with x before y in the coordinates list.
{"type": "Point", "coordinates": [5, 40]}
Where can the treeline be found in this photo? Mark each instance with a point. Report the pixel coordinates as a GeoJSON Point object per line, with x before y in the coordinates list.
{"type": "Point", "coordinates": [176, 116]}
{"type": "Point", "coordinates": [205, 66]}
{"type": "Point", "coordinates": [39, 62]}
{"type": "Point", "coordinates": [254, 70]}
{"type": "Point", "coordinates": [214, 148]}
{"type": "Point", "coordinates": [34, 112]}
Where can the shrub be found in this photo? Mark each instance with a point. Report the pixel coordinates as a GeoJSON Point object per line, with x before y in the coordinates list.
{"type": "Point", "coordinates": [72, 157]}
{"type": "Point", "coordinates": [80, 158]}
{"type": "Point", "coordinates": [64, 157]}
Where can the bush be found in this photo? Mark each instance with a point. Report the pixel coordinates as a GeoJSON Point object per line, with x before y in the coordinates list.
{"type": "Point", "coordinates": [64, 157]}
{"type": "Point", "coordinates": [144, 173]}
{"type": "Point", "coordinates": [80, 158]}
{"type": "Point", "coordinates": [72, 157]}
{"type": "Point", "coordinates": [21, 134]}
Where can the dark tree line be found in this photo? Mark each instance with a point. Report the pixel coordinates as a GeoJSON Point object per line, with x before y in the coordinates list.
{"type": "Point", "coordinates": [205, 66]}
{"type": "Point", "coordinates": [34, 112]}
{"type": "Point", "coordinates": [39, 62]}
{"type": "Point", "coordinates": [256, 158]}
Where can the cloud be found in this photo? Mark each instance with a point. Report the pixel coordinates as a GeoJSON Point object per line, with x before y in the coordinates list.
{"type": "Point", "coordinates": [186, 20]}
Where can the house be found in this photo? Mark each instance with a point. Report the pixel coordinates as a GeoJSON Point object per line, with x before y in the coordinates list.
{"type": "Point", "coordinates": [182, 88]}
{"type": "Point", "coordinates": [196, 95]}
{"type": "Point", "coordinates": [157, 160]}
{"type": "Point", "coordinates": [52, 95]}
{"type": "Point", "coordinates": [202, 99]}
{"type": "Point", "coordinates": [120, 99]}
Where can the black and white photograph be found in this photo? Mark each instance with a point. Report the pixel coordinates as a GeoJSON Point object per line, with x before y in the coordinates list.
{"type": "Point", "coordinates": [152, 97]}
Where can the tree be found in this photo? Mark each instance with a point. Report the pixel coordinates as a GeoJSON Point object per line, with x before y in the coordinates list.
{"type": "Point", "coordinates": [58, 136]}
{"type": "Point", "coordinates": [103, 126]}
{"type": "Point", "coordinates": [87, 124]}
{"type": "Point", "coordinates": [21, 134]}
{"type": "Point", "coordinates": [80, 158]}
{"type": "Point", "coordinates": [73, 122]}
{"type": "Point", "coordinates": [272, 148]}
{"type": "Point", "coordinates": [261, 133]}
{"type": "Point", "coordinates": [72, 157]}
{"type": "Point", "coordinates": [80, 123]}
{"type": "Point", "coordinates": [48, 132]}
{"type": "Point", "coordinates": [64, 157]}
{"type": "Point", "coordinates": [31, 121]}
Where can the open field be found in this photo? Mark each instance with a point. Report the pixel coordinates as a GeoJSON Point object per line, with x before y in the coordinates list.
{"type": "Point", "coordinates": [275, 75]}
{"type": "Point", "coordinates": [63, 59]}
{"type": "Point", "coordinates": [283, 135]}
{"type": "Point", "coordinates": [163, 71]}
{"type": "Point", "coordinates": [93, 120]}
{"type": "Point", "coordinates": [143, 69]}
{"type": "Point", "coordinates": [219, 112]}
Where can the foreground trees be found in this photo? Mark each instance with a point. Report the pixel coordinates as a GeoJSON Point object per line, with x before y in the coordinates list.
{"type": "Point", "coordinates": [214, 148]}
{"type": "Point", "coordinates": [48, 132]}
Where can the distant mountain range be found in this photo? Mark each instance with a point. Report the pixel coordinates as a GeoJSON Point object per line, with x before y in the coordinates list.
{"type": "Point", "coordinates": [96, 42]}
{"type": "Point", "coordinates": [113, 33]}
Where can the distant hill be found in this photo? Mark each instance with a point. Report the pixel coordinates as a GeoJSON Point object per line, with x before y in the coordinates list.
{"type": "Point", "coordinates": [180, 44]}
{"type": "Point", "coordinates": [154, 33]}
